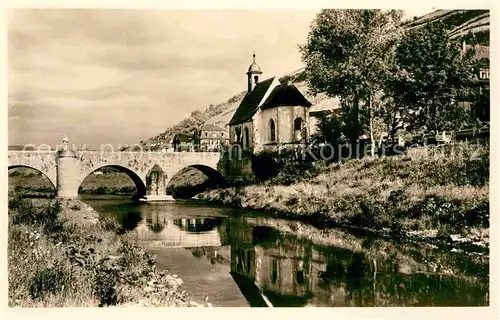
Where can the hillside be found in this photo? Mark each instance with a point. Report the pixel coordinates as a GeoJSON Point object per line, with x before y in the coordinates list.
{"type": "Point", "coordinates": [193, 122]}
{"type": "Point", "coordinates": [471, 25]}
{"type": "Point", "coordinates": [223, 112]}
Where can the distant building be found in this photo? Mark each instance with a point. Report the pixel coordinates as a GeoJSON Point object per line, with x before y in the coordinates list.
{"type": "Point", "coordinates": [481, 81]}
{"type": "Point", "coordinates": [211, 138]}
{"type": "Point", "coordinates": [271, 116]}
{"type": "Point", "coordinates": [182, 142]}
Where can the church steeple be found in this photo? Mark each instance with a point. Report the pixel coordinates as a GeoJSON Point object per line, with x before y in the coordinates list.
{"type": "Point", "coordinates": [253, 74]}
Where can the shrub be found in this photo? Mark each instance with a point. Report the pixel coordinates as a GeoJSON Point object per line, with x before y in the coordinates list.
{"type": "Point", "coordinates": [106, 287]}
{"type": "Point", "coordinates": [49, 218]}
{"type": "Point", "coordinates": [49, 280]}
{"type": "Point", "coordinates": [265, 165]}
{"type": "Point", "coordinates": [110, 224]}
{"type": "Point", "coordinates": [478, 214]}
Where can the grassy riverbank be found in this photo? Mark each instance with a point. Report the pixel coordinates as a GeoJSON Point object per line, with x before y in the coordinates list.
{"type": "Point", "coordinates": [61, 255]}
{"type": "Point", "coordinates": [435, 193]}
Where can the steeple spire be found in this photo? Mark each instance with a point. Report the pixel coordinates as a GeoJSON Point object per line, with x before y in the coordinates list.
{"type": "Point", "coordinates": [253, 74]}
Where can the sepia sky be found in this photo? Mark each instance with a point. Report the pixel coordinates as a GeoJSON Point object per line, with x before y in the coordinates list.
{"type": "Point", "coordinates": [118, 76]}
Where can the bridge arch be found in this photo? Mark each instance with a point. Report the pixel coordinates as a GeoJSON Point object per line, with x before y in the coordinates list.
{"type": "Point", "coordinates": [210, 172]}
{"type": "Point", "coordinates": [180, 184]}
{"type": "Point", "coordinates": [136, 178]}
{"type": "Point", "coordinates": [50, 179]}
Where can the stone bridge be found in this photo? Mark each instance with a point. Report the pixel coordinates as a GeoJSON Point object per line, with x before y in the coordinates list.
{"type": "Point", "coordinates": [150, 171]}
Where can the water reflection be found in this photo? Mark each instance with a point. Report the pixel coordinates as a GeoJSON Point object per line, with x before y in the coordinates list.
{"type": "Point", "coordinates": [292, 272]}
{"type": "Point", "coordinates": [273, 268]}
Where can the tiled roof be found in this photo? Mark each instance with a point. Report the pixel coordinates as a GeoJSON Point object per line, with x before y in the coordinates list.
{"type": "Point", "coordinates": [250, 102]}
{"type": "Point", "coordinates": [211, 127]}
{"type": "Point", "coordinates": [285, 95]}
{"type": "Point", "coordinates": [183, 137]}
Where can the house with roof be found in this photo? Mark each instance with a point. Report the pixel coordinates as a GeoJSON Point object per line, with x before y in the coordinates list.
{"type": "Point", "coordinates": [182, 142]}
{"type": "Point", "coordinates": [481, 81]}
{"type": "Point", "coordinates": [211, 138]}
{"type": "Point", "coordinates": [272, 115]}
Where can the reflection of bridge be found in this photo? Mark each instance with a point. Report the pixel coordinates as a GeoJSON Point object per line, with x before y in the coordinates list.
{"type": "Point", "coordinates": [185, 232]}
{"type": "Point", "coordinates": [150, 171]}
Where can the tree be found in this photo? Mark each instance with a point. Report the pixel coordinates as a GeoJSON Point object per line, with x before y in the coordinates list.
{"type": "Point", "coordinates": [347, 54]}
{"type": "Point", "coordinates": [329, 128]}
{"type": "Point", "coordinates": [430, 73]}
{"type": "Point", "coordinates": [389, 112]}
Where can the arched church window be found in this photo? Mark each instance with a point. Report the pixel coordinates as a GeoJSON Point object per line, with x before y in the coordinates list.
{"type": "Point", "coordinates": [238, 134]}
{"type": "Point", "coordinates": [272, 130]}
{"type": "Point", "coordinates": [246, 137]}
{"type": "Point", "coordinates": [256, 79]}
{"type": "Point", "coordinates": [298, 124]}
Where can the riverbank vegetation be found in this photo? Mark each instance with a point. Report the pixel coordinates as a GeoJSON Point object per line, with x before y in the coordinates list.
{"type": "Point", "coordinates": [428, 192]}
{"type": "Point", "coordinates": [61, 255]}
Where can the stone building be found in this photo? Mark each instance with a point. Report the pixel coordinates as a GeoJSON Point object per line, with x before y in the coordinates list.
{"type": "Point", "coordinates": [211, 138]}
{"type": "Point", "coordinates": [271, 116]}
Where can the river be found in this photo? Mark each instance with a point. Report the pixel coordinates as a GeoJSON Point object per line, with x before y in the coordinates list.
{"type": "Point", "coordinates": [239, 258]}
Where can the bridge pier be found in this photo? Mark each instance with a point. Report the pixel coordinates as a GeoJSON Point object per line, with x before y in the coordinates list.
{"type": "Point", "coordinates": [67, 182]}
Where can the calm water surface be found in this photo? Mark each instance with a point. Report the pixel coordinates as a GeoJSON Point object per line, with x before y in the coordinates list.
{"type": "Point", "coordinates": [236, 258]}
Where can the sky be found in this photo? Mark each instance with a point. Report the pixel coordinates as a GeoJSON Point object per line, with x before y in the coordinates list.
{"type": "Point", "coordinates": [116, 76]}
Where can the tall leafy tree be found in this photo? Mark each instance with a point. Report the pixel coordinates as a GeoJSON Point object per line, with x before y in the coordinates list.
{"type": "Point", "coordinates": [347, 54]}
{"type": "Point", "coordinates": [431, 72]}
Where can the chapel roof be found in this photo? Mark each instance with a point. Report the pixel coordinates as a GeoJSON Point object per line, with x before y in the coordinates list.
{"type": "Point", "coordinates": [250, 103]}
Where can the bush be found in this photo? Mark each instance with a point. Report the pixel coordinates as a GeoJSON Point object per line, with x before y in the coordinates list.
{"type": "Point", "coordinates": [110, 224]}
{"type": "Point", "coordinates": [478, 214]}
{"type": "Point", "coordinates": [265, 165]}
{"type": "Point", "coordinates": [49, 280]}
{"type": "Point", "coordinates": [48, 217]}
{"type": "Point", "coordinates": [106, 287]}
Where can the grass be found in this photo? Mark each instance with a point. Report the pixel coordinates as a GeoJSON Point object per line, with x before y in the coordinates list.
{"type": "Point", "coordinates": [56, 260]}
{"type": "Point", "coordinates": [441, 194]}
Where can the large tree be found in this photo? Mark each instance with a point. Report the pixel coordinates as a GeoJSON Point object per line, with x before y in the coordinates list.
{"type": "Point", "coordinates": [347, 54]}
{"type": "Point", "coordinates": [431, 72]}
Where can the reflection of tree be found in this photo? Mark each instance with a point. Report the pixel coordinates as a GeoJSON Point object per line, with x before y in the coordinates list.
{"type": "Point", "coordinates": [129, 220]}
{"type": "Point", "coordinates": [381, 283]}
